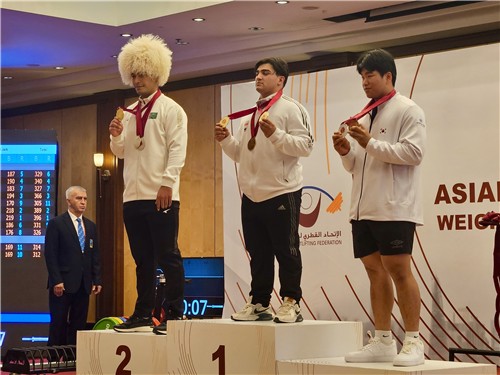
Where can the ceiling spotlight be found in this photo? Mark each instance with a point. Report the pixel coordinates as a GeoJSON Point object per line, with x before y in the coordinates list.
{"type": "Point", "coordinates": [198, 19]}
{"type": "Point", "coordinates": [59, 68]}
{"type": "Point", "coordinates": [7, 77]}
{"type": "Point", "coordinates": [282, 2]}
{"type": "Point", "coordinates": [126, 35]}
{"type": "Point", "coordinates": [255, 28]}
{"type": "Point", "coordinates": [180, 42]}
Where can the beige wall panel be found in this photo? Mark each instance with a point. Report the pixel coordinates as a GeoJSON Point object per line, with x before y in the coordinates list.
{"type": "Point", "coordinates": [77, 139]}
{"type": "Point", "coordinates": [77, 146]}
{"type": "Point", "coordinates": [197, 225]}
{"type": "Point", "coordinates": [130, 291]}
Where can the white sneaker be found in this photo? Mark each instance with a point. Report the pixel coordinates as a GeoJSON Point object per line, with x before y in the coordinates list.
{"type": "Point", "coordinates": [289, 312]}
{"type": "Point", "coordinates": [375, 351]}
{"type": "Point", "coordinates": [411, 354]}
{"type": "Point", "coordinates": [253, 312]}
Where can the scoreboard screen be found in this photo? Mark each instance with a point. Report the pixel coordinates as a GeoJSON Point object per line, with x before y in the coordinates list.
{"type": "Point", "coordinates": [28, 202]}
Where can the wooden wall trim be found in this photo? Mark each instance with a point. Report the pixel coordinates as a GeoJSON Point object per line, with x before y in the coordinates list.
{"type": "Point", "coordinates": [109, 214]}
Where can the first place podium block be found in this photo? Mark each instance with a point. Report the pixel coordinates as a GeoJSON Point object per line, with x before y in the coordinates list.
{"type": "Point", "coordinates": [221, 346]}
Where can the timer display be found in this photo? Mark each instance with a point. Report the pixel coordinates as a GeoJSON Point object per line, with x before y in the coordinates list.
{"type": "Point", "coordinates": [204, 289]}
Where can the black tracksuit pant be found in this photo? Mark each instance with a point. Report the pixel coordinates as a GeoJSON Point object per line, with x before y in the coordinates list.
{"type": "Point", "coordinates": [270, 229]}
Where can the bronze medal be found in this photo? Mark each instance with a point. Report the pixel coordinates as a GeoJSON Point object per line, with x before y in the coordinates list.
{"type": "Point", "coordinates": [251, 143]}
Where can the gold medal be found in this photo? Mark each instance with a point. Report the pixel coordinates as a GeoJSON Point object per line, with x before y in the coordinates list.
{"type": "Point", "coordinates": [251, 143]}
{"type": "Point", "coordinates": [224, 121]}
{"type": "Point", "coordinates": [264, 116]}
{"type": "Point", "coordinates": [119, 114]}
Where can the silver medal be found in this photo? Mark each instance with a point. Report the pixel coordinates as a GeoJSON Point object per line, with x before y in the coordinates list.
{"type": "Point", "coordinates": [139, 143]}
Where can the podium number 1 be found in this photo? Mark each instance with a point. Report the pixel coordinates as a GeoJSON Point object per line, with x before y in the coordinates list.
{"type": "Point", "coordinates": [220, 354]}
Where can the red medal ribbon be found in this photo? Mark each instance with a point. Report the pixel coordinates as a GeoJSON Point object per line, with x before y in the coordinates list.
{"type": "Point", "coordinates": [254, 128]}
{"type": "Point", "coordinates": [140, 122]}
{"type": "Point", "coordinates": [371, 104]}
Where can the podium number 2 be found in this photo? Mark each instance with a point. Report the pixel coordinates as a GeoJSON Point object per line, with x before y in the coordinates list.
{"type": "Point", "coordinates": [121, 368]}
{"type": "Point", "coordinates": [220, 354]}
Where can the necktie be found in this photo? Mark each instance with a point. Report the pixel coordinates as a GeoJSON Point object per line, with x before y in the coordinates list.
{"type": "Point", "coordinates": [81, 236]}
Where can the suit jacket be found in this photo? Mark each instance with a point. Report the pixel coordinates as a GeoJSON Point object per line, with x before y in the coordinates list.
{"type": "Point", "coordinates": [66, 263]}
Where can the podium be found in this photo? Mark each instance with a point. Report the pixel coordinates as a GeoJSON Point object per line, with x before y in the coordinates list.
{"type": "Point", "coordinates": [225, 347]}
{"type": "Point", "coordinates": [213, 346]}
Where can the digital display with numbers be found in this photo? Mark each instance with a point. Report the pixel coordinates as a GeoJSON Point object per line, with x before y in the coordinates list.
{"type": "Point", "coordinates": [204, 290]}
{"type": "Point", "coordinates": [28, 197]}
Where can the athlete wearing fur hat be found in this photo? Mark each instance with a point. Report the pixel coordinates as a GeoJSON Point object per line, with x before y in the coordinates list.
{"type": "Point", "coordinates": [152, 139]}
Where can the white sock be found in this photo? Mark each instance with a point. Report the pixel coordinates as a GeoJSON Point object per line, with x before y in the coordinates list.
{"type": "Point", "coordinates": [384, 336]}
{"type": "Point", "coordinates": [412, 335]}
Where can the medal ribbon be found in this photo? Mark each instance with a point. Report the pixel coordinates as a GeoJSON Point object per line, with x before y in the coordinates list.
{"type": "Point", "coordinates": [371, 104]}
{"type": "Point", "coordinates": [254, 128]}
{"type": "Point", "coordinates": [140, 122]}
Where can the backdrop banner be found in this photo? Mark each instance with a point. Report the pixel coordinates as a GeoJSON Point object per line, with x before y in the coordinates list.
{"type": "Point", "coordinates": [452, 255]}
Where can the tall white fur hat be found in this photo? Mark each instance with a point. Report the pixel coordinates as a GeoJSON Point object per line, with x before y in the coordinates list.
{"type": "Point", "coordinates": [148, 55]}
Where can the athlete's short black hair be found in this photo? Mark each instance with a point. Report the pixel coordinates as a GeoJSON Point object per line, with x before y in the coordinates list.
{"type": "Point", "coordinates": [377, 60]}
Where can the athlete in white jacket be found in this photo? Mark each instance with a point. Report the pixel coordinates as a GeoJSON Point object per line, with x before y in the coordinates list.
{"type": "Point", "coordinates": [383, 152]}
{"type": "Point", "coordinates": [270, 176]}
{"type": "Point", "coordinates": [151, 138]}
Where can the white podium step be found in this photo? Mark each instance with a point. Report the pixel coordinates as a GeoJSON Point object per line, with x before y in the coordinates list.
{"type": "Point", "coordinates": [106, 352]}
{"type": "Point", "coordinates": [223, 346]}
{"type": "Point", "coordinates": [337, 366]}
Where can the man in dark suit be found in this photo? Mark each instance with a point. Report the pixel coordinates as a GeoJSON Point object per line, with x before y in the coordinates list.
{"type": "Point", "coordinates": [73, 264]}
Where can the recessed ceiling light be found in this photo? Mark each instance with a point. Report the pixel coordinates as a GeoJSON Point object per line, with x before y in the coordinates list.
{"type": "Point", "coordinates": [7, 77]}
{"type": "Point", "coordinates": [198, 19]}
{"type": "Point", "coordinates": [126, 35]}
{"type": "Point", "coordinates": [114, 56]}
{"type": "Point", "coordinates": [282, 2]}
{"type": "Point", "coordinates": [255, 28]}
{"type": "Point", "coordinates": [59, 67]}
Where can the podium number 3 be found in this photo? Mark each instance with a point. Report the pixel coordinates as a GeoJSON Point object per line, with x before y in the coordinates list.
{"type": "Point", "coordinates": [121, 368]}
{"type": "Point", "coordinates": [220, 354]}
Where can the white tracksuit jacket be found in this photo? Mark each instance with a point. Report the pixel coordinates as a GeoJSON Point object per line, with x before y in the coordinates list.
{"type": "Point", "coordinates": [272, 168]}
{"type": "Point", "coordinates": [161, 161]}
{"type": "Point", "coordinates": [386, 176]}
